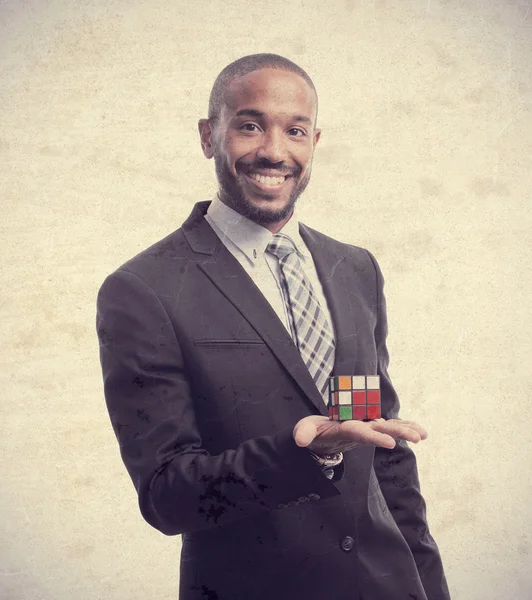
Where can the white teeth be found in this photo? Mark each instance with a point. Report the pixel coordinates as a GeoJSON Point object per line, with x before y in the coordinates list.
{"type": "Point", "coordinates": [267, 180]}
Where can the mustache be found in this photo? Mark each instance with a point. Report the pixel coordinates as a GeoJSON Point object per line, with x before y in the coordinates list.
{"type": "Point", "coordinates": [266, 164]}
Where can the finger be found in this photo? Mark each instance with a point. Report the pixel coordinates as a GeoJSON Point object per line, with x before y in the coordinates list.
{"type": "Point", "coordinates": [356, 431]}
{"type": "Point", "coordinates": [376, 438]}
{"type": "Point", "coordinates": [397, 429]}
{"type": "Point", "coordinates": [304, 433]}
{"type": "Point", "coordinates": [422, 431]}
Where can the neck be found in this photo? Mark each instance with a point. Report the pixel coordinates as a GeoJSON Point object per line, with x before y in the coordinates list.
{"type": "Point", "coordinates": [278, 225]}
{"type": "Point", "coordinates": [256, 217]}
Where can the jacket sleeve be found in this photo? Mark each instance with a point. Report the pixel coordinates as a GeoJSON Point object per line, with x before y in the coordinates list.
{"type": "Point", "coordinates": [150, 399]}
{"type": "Point", "coordinates": [397, 473]}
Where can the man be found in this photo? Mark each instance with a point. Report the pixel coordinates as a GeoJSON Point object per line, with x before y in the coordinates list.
{"type": "Point", "coordinates": [216, 347]}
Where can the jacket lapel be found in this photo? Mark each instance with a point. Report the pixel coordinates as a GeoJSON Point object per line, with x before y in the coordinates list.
{"type": "Point", "coordinates": [229, 277]}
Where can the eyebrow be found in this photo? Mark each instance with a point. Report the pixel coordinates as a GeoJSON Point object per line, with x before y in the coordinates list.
{"type": "Point", "coordinates": [258, 114]}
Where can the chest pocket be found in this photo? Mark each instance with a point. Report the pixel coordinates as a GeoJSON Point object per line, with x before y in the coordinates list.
{"type": "Point", "coordinates": [228, 344]}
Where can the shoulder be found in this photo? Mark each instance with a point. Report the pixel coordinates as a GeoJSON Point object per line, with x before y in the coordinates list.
{"type": "Point", "coordinates": [160, 269]}
{"type": "Point", "coordinates": [170, 250]}
{"type": "Point", "coordinates": [356, 255]}
{"type": "Point", "coordinates": [168, 258]}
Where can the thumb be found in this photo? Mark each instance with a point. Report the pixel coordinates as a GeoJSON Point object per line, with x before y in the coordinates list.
{"type": "Point", "coordinates": [304, 433]}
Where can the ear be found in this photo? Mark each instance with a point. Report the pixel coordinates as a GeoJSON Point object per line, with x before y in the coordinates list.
{"type": "Point", "coordinates": [316, 138]}
{"type": "Point", "coordinates": [205, 128]}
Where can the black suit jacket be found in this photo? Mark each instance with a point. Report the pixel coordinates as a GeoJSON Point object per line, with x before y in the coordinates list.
{"type": "Point", "coordinates": [204, 385]}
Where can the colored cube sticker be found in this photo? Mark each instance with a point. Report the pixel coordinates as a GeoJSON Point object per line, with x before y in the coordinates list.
{"type": "Point", "coordinates": [357, 397]}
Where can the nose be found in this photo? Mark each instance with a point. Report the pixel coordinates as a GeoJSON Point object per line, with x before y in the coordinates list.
{"type": "Point", "coordinates": [273, 147]}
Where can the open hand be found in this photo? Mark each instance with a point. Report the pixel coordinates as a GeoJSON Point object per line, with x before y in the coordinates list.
{"type": "Point", "coordinates": [324, 436]}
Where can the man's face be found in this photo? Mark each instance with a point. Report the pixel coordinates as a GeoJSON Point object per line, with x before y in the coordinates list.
{"type": "Point", "coordinates": [263, 143]}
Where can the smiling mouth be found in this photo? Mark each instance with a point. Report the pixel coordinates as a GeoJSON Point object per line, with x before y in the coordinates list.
{"type": "Point", "coordinates": [268, 180]}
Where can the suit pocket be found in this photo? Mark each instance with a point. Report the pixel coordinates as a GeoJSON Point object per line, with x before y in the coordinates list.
{"type": "Point", "coordinates": [228, 344]}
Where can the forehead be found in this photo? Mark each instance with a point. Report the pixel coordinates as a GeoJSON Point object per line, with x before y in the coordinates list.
{"type": "Point", "coordinates": [271, 91]}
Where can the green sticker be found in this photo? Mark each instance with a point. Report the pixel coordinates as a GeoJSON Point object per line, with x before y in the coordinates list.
{"type": "Point", "coordinates": [346, 413]}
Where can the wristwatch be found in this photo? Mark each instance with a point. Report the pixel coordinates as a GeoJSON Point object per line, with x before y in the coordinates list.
{"type": "Point", "coordinates": [326, 461]}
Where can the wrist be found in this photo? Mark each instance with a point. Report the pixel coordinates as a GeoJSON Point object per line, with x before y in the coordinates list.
{"type": "Point", "coordinates": [327, 460]}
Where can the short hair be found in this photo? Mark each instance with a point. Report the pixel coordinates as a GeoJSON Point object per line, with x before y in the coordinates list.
{"type": "Point", "coordinates": [245, 65]}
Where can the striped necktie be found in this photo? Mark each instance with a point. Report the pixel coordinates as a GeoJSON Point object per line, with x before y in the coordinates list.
{"type": "Point", "coordinates": [310, 329]}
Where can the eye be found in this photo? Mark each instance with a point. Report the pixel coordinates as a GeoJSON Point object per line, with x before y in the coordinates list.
{"type": "Point", "coordinates": [252, 127]}
{"type": "Point", "coordinates": [296, 132]}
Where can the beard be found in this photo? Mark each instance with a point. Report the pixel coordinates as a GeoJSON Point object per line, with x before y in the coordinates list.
{"type": "Point", "coordinates": [232, 192]}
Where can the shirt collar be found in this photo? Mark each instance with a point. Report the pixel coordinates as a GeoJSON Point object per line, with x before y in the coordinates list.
{"type": "Point", "coordinates": [252, 239]}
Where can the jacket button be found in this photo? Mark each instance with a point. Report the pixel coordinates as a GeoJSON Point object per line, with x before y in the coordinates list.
{"type": "Point", "coordinates": [347, 543]}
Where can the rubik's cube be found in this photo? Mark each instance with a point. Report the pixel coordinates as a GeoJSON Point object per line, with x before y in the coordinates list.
{"type": "Point", "coordinates": [357, 397]}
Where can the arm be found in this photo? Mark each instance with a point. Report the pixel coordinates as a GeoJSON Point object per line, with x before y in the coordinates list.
{"type": "Point", "coordinates": [397, 474]}
{"type": "Point", "coordinates": [150, 398]}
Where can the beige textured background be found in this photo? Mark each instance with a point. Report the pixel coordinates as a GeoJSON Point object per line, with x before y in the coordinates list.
{"type": "Point", "coordinates": [425, 159]}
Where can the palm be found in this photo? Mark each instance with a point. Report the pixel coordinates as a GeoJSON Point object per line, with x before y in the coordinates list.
{"type": "Point", "coordinates": [323, 436]}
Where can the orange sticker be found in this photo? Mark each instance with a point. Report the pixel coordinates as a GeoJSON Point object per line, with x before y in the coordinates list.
{"type": "Point", "coordinates": [344, 383]}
